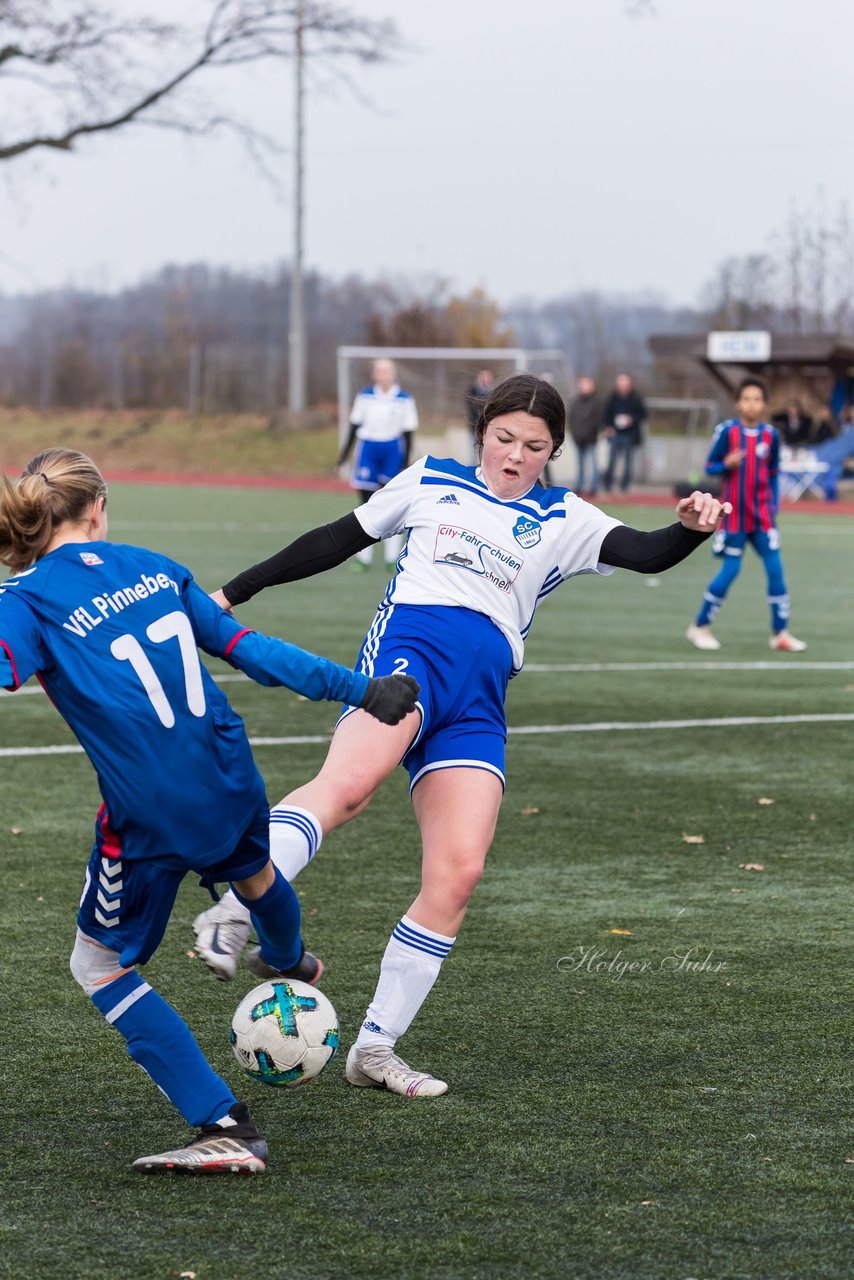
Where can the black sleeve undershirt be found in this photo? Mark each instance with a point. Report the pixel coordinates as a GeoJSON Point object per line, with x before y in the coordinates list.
{"type": "Point", "coordinates": [348, 444]}
{"type": "Point", "coordinates": [649, 552]}
{"type": "Point", "coordinates": [319, 549]}
{"type": "Point", "coordinates": [331, 544]}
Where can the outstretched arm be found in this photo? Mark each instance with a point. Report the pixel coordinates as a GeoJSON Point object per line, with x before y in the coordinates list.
{"type": "Point", "coordinates": [270, 661]}
{"type": "Point", "coordinates": [660, 549]}
{"type": "Point", "coordinates": [314, 552]}
{"type": "Point", "coordinates": [348, 444]}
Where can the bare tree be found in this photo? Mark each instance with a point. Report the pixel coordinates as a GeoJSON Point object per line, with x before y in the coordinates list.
{"type": "Point", "coordinates": [68, 71]}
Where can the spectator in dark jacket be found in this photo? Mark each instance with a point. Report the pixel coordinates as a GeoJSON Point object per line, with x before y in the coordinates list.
{"type": "Point", "coordinates": [476, 397]}
{"type": "Point", "coordinates": [824, 427]}
{"type": "Point", "coordinates": [586, 419]}
{"type": "Point", "coordinates": [793, 425]}
{"type": "Point", "coordinates": [625, 414]}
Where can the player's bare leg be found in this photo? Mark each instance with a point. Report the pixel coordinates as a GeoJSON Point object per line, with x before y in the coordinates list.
{"type": "Point", "coordinates": [457, 810]}
{"type": "Point", "coordinates": [361, 756]}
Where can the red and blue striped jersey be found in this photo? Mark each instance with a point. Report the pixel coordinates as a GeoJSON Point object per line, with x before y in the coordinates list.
{"type": "Point", "coordinates": [752, 487]}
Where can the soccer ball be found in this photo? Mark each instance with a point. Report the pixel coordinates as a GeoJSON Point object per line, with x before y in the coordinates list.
{"type": "Point", "coordinates": [284, 1032]}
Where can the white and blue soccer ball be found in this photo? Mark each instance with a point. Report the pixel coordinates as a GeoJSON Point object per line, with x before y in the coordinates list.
{"type": "Point", "coordinates": [284, 1032]}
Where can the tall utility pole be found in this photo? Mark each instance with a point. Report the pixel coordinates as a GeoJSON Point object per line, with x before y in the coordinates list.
{"type": "Point", "coordinates": [296, 335]}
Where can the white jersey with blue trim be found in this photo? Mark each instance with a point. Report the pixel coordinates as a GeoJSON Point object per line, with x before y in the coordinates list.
{"type": "Point", "coordinates": [383, 415]}
{"type": "Point", "coordinates": [465, 547]}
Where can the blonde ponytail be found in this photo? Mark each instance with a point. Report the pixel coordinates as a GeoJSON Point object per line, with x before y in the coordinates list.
{"type": "Point", "coordinates": [56, 486]}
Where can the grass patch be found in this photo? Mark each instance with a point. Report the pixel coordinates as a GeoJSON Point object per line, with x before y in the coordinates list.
{"type": "Point", "coordinates": [658, 1124]}
{"type": "Point", "coordinates": [168, 440]}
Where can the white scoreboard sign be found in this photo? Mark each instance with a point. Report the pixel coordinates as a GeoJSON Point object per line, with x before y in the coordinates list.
{"type": "Point", "coordinates": [748, 345]}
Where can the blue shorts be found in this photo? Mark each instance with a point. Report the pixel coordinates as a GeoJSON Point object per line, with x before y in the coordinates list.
{"type": "Point", "coordinates": [462, 662]}
{"type": "Point", "coordinates": [733, 544]}
{"type": "Point", "coordinates": [377, 462]}
{"type": "Point", "coordinates": [127, 902]}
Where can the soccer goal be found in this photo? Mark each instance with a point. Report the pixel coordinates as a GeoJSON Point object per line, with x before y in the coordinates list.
{"type": "Point", "coordinates": [439, 377]}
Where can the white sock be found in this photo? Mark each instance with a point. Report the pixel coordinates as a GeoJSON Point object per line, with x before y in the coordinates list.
{"type": "Point", "coordinates": [295, 837]}
{"type": "Point", "coordinates": [366, 555]}
{"type": "Point", "coordinates": [391, 548]}
{"type": "Point", "coordinates": [408, 971]}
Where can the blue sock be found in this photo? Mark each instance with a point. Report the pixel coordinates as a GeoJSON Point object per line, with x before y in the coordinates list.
{"type": "Point", "coordinates": [778, 596]}
{"type": "Point", "coordinates": [163, 1045]}
{"type": "Point", "coordinates": [277, 918]}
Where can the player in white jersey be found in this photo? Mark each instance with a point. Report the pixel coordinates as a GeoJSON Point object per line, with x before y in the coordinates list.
{"type": "Point", "coordinates": [484, 546]}
{"type": "Point", "coordinates": [382, 422]}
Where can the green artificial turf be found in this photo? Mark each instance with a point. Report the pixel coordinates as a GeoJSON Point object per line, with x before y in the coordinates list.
{"type": "Point", "coordinates": [651, 1121]}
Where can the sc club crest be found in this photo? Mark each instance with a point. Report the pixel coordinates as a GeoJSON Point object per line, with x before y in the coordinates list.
{"type": "Point", "coordinates": [527, 532]}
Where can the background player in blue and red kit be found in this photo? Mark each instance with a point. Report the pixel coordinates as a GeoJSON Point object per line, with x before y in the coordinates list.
{"type": "Point", "coordinates": [382, 423]}
{"type": "Point", "coordinates": [745, 452]}
{"type": "Point", "coordinates": [111, 631]}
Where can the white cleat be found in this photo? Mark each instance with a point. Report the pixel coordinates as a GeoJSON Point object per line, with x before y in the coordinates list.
{"type": "Point", "coordinates": [221, 934]}
{"type": "Point", "coordinates": [701, 637]}
{"type": "Point", "coordinates": [785, 643]}
{"type": "Point", "coordinates": [380, 1068]}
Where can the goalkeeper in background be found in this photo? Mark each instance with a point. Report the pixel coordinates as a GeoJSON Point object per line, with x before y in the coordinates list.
{"type": "Point", "coordinates": [382, 422]}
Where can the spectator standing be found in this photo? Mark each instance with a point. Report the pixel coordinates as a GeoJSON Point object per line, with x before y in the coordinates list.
{"type": "Point", "coordinates": [476, 397]}
{"type": "Point", "coordinates": [625, 414]}
{"type": "Point", "coordinates": [824, 427]}
{"type": "Point", "coordinates": [586, 419]}
{"type": "Point", "coordinates": [793, 425]}
{"type": "Point", "coordinates": [382, 421]}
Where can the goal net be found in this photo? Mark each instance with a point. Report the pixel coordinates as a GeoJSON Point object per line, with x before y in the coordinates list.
{"type": "Point", "coordinates": [439, 379]}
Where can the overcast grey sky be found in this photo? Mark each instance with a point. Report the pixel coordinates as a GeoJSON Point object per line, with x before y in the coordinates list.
{"type": "Point", "coordinates": [532, 148]}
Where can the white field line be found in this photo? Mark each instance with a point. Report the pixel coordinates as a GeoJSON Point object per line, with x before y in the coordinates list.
{"type": "Point", "coordinates": [611, 726]}
{"type": "Point", "coordinates": [579, 668]}
{"type": "Point", "coordinates": [790, 664]}
{"type": "Point", "coordinates": [208, 526]}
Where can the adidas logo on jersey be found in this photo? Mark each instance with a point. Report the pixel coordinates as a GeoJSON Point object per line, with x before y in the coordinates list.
{"type": "Point", "coordinates": [449, 499]}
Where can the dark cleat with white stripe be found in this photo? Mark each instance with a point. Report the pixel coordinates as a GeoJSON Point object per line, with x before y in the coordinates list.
{"type": "Point", "coordinates": [309, 969]}
{"type": "Point", "coordinates": [237, 1148]}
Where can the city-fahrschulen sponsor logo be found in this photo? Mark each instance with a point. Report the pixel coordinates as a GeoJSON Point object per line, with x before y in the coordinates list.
{"type": "Point", "coordinates": [462, 549]}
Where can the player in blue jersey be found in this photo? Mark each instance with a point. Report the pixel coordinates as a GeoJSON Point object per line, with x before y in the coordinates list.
{"type": "Point", "coordinates": [745, 452]}
{"type": "Point", "coordinates": [382, 422]}
{"type": "Point", "coordinates": [485, 545]}
{"type": "Point", "coordinates": [112, 633]}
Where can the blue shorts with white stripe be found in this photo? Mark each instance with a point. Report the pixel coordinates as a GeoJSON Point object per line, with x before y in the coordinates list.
{"type": "Point", "coordinates": [462, 662]}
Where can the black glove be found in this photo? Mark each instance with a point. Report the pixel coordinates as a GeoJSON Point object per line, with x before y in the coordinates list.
{"type": "Point", "coordinates": [390, 698]}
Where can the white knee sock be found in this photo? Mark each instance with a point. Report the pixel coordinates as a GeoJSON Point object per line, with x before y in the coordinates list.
{"type": "Point", "coordinates": [366, 555]}
{"type": "Point", "coordinates": [391, 548]}
{"type": "Point", "coordinates": [408, 971]}
{"type": "Point", "coordinates": [295, 837]}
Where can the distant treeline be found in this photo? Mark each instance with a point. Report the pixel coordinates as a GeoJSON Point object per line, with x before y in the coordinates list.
{"type": "Point", "coordinates": [216, 340]}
